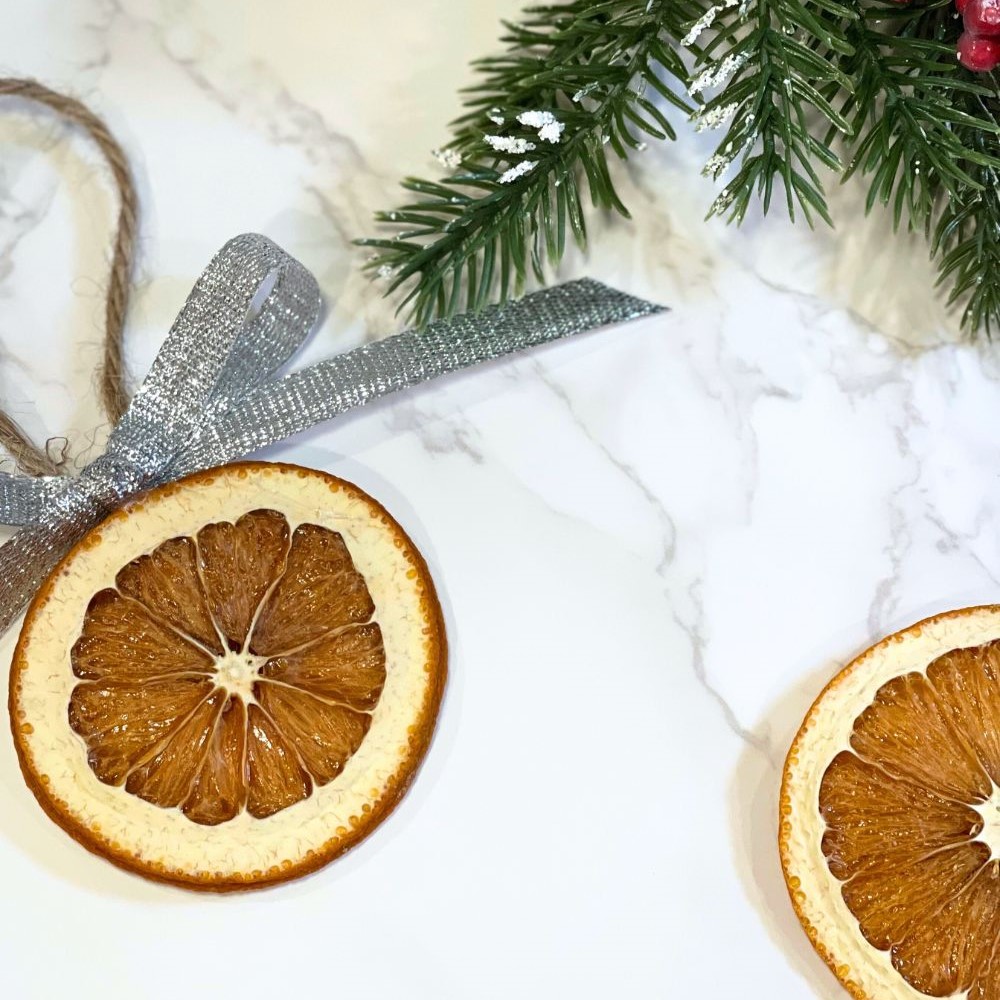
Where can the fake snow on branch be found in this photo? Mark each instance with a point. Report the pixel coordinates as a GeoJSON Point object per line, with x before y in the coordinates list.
{"type": "Point", "coordinates": [449, 158]}
{"type": "Point", "coordinates": [509, 144]}
{"type": "Point", "coordinates": [718, 76]}
{"type": "Point", "coordinates": [706, 21]}
{"type": "Point", "coordinates": [518, 170]}
{"type": "Point", "coordinates": [714, 117]}
{"type": "Point", "coordinates": [550, 129]}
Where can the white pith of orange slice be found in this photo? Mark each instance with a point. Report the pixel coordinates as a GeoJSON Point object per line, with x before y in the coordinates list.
{"type": "Point", "coordinates": [232, 680]}
{"type": "Point", "coordinates": [890, 814]}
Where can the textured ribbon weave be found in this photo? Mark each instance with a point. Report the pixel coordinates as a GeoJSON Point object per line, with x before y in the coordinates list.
{"type": "Point", "coordinates": [211, 395]}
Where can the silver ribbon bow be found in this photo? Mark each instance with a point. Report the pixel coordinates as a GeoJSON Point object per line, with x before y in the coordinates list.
{"type": "Point", "coordinates": [211, 395]}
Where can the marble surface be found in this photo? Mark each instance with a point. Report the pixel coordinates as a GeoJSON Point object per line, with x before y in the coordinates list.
{"type": "Point", "coordinates": [655, 543]}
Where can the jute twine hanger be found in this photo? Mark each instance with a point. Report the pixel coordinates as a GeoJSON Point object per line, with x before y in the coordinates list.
{"type": "Point", "coordinates": [31, 459]}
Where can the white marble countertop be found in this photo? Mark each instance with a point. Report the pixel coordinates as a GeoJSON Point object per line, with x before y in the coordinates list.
{"type": "Point", "coordinates": [655, 542]}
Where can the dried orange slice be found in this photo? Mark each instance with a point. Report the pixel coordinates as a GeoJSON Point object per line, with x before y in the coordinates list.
{"type": "Point", "coordinates": [890, 814]}
{"type": "Point", "coordinates": [231, 681]}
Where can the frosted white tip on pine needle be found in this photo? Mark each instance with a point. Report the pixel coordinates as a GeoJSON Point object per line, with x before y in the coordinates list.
{"type": "Point", "coordinates": [723, 202]}
{"type": "Point", "coordinates": [716, 165]}
{"type": "Point", "coordinates": [509, 144]}
{"type": "Point", "coordinates": [552, 132]}
{"type": "Point", "coordinates": [715, 118]}
{"type": "Point", "coordinates": [494, 116]}
{"type": "Point", "coordinates": [716, 76]}
{"type": "Point", "coordinates": [518, 170]}
{"type": "Point", "coordinates": [706, 21]}
{"type": "Point", "coordinates": [550, 129]}
{"type": "Point", "coordinates": [449, 158]}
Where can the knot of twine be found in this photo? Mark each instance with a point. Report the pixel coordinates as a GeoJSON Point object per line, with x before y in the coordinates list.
{"type": "Point", "coordinates": [29, 458]}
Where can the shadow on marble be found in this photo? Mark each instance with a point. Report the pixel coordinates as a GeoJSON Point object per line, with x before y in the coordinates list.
{"type": "Point", "coordinates": [893, 291]}
{"type": "Point", "coordinates": [753, 796]}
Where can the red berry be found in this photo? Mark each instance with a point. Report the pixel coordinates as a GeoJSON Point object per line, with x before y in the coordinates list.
{"type": "Point", "coordinates": [978, 53]}
{"type": "Point", "coordinates": [960, 5]}
{"type": "Point", "coordinates": [982, 17]}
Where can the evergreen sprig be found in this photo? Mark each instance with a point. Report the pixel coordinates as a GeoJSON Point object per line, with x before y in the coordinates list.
{"type": "Point", "coordinates": [784, 55]}
{"type": "Point", "coordinates": [604, 71]}
{"type": "Point", "coordinates": [802, 88]}
{"type": "Point", "coordinates": [966, 237]}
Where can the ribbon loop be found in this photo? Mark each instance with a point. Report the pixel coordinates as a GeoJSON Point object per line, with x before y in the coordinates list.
{"type": "Point", "coordinates": [219, 347]}
{"type": "Point", "coordinates": [211, 395]}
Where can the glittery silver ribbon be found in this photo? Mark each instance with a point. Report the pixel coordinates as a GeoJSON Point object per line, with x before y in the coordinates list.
{"type": "Point", "coordinates": [211, 395]}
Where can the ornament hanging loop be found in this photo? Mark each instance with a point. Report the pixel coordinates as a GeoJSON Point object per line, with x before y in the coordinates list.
{"type": "Point", "coordinates": [29, 458]}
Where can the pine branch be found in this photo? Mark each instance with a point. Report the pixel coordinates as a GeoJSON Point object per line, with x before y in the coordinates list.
{"type": "Point", "coordinates": [927, 139]}
{"type": "Point", "coordinates": [914, 137]}
{"type": "Point", "coordinates": [967, 234]}
{"type": "Point", "coordinates": [797, 84]}
{"type": "Point", "coordinates": [518, 188]}
{"type": "Point", "coordinates": [775, 68]}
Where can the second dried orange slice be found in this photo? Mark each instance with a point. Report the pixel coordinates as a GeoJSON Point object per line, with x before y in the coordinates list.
{"type": "Point", "coordinates": [890, 814]}
{"type": "Point", "coordinates": [232, 680]}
